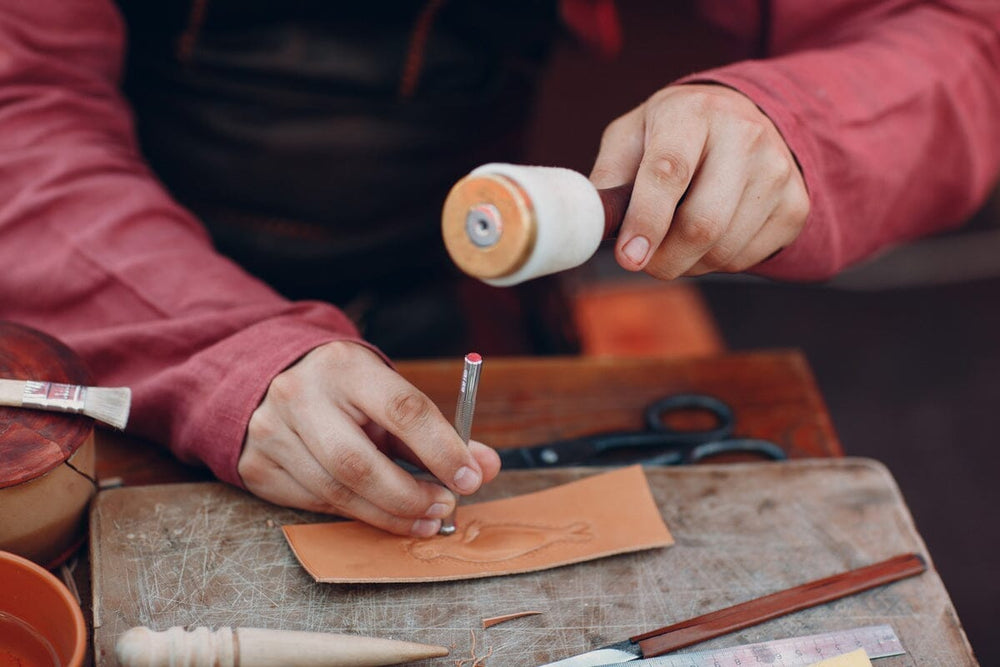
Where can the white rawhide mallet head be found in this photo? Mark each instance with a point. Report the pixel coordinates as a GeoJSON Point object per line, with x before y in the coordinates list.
{"type": "Point", "coordinates": [506, 223]}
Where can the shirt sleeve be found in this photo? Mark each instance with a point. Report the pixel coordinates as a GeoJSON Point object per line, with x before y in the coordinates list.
{"type": "Point", "coordinates": [97, 254]}
{"type": "Point", "coordinates": [892, 109]}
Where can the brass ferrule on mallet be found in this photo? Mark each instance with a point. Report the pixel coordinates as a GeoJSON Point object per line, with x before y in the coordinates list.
{"type": "Point", "coordinates": [463, 415]}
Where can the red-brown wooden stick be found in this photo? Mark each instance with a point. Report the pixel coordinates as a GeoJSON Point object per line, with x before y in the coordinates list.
{"type": "Point", "coordinates": [752, 612]}
{"type": "Point", "coordinates": [615, 202]}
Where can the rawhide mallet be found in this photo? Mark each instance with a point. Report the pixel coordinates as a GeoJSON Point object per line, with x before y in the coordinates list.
{"type": "Point", "coordinates": [506, 223]}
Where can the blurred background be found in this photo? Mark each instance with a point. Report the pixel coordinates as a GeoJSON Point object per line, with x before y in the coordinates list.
{"type": "Point", "coordinates": [905, 348]}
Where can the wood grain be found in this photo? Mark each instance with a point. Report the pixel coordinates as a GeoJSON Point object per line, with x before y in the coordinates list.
{"type": "Point", "coordinates": [208, 554]}
{"type": "Point", "coordinates": [525, 401]}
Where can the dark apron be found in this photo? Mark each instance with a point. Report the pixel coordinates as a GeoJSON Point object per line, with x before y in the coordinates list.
{"type": "Point", "coordinates": [317, 139]}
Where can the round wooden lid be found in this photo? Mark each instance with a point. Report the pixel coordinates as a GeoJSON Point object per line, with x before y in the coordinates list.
{"type": "Point", "coordinates": [33, 442]}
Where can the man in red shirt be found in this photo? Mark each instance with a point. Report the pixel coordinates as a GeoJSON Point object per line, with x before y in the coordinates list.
{"type": "Point", "coordinates": [315, 150]}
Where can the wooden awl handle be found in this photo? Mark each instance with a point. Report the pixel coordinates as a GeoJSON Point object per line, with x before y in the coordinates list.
{"type": "Point", "coordinates": [254, 647]}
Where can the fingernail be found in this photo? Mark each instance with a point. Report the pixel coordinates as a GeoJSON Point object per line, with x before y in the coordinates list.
{"type": "Point", "coordinates": [636, 249]}
{"type": "Point", "coordinates": [438, 511]}
{"type": "Point", "coordinates": [467, 480]}
{"type": "Point", "coordinates": [425, 527]}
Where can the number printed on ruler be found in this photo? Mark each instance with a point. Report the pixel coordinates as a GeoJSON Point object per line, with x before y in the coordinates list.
{"type": "Point", "coordinates": [878, 641]}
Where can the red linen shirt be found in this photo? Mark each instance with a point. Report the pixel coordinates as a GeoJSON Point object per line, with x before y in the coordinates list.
{"type": "Point", "coordinates": [892, 108]}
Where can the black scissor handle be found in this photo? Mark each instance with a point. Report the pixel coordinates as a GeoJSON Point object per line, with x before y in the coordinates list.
{"type": "Point", "coordinates": [723, 414]}
{"type": "Point", "coordinates": [678, 456]}
{"type": "Point", "coordinates": [764, 448]}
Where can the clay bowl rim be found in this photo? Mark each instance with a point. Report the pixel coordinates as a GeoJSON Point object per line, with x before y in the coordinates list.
{"type": "Point", "coordinates": [50, 581]}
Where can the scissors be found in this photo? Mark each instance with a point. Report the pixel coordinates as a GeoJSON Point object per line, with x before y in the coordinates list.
{"type": "Point", "coordinates": [657, 444]}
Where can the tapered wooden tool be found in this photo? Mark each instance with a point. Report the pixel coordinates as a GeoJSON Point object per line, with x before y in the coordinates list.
{"type": "Point", "coordinates": [253, 647]}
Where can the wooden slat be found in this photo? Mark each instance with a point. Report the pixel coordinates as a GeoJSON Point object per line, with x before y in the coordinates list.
{"type": "Point", "coordinates": [526, 401]}
{"type": "Point", "coordinates": [663, 319]}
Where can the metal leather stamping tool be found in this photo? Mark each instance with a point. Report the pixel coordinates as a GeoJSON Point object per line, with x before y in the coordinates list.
{"type": "Point", "coordinates": [463, 415]}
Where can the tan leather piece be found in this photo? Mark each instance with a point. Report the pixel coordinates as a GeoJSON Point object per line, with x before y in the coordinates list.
{"type": "Point", "coordinates": [853, 659]}
{"type": "Point", "coordinates": [601, 515]}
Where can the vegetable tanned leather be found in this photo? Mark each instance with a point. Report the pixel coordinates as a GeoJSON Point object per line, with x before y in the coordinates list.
{"type": "Point", "coordinates": [601, 515]}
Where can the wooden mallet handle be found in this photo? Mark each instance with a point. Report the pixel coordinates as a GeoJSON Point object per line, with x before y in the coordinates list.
{"type": "Point", "coordinates": [253, 647]}
{"type": "Point", "coordinates": [615, 201]}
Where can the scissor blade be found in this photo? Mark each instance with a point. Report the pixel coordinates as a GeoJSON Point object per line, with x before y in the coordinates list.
{"type": "Point", "coordinates": [607, 655]}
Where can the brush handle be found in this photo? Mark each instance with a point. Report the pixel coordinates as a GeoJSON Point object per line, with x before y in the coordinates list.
{"type": "Point", "coordinates": [254, 647]}
{"type": "Point", "coordinates": [52, 396]}
{"type": "Point", "coordinates": [106, 404]}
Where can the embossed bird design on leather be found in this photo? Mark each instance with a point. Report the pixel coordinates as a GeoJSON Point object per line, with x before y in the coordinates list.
{"type": "Point", "coordinates": [486, 542]}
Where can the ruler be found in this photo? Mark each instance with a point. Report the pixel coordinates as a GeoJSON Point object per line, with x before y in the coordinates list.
{"type": "Point", "coordinates": [878, 641]}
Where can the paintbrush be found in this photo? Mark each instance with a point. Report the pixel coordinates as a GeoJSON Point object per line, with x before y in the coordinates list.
{"type": "Point", "coordinates": [256, 647]}
{"type": "Point", "coordinates": [109, 405]}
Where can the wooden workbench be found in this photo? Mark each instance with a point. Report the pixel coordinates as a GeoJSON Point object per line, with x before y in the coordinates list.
{"type": "Point", "coordinates": [212, 555]}
{"type": "Point", "coordinates": [208, 554]}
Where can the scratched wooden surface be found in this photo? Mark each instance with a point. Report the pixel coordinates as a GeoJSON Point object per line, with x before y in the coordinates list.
{"type": "Point", "coordinates": [206, 554]}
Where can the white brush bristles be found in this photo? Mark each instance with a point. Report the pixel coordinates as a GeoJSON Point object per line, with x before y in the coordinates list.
{"type": "Point", "coordinates": [110, 405]}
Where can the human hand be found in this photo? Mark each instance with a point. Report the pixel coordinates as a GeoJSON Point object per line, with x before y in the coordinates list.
{"type": "Point", "coordinates": [716, 187]}
{"type": "Point", "coordinates": [325, 434]}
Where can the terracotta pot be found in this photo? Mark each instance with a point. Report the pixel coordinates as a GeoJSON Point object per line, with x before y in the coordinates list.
{"type": "Point", "coordinates": [40, 621]}
{"type": "Point", "coordinates": [46, 459]}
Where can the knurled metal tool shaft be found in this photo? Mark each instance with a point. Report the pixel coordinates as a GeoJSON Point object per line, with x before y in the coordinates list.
{"type": "Point", "coordinates": [463, 415]}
